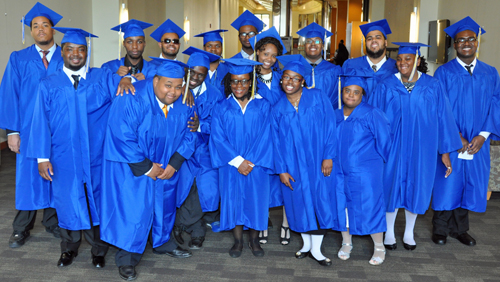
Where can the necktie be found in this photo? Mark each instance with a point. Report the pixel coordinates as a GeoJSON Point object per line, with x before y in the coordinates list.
{"type": "Point", "coordinates": [374, 67]}
{"type": "Point", "coordinates": [198, 92]}
{"type": "Point", "coordinates": [44, 58]}
{"type": "Point", "coordinates": [314, 65]}
{"type": "Point", "coordinates": [469, 69]}
{"type": "Point", "coordinates": [165, 110]}
{"type": "Point", "coordinates": [76, 78]}
{"type": "Point", "coordinates": [134, 70]}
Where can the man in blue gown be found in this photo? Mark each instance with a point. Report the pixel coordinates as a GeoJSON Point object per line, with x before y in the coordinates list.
{"type": "Point", "coordinates": [69, 119]}
{"type": "Point", "coordinates": [472, 87]}
{"type": "Point", "coordinates": [201, 190]}
{"type": "Point", "coordinates": [214, 43]}
{"type": "Point", "coordinates": [21, 77]}
{"type": "Point", "coordinates": [134, 42]}
{"type": "Point", "coordinates": [147, 142]}
{"type": "Point", "coordinates": [324, 75]}
{"type": "Point", "coordinates": [247, 25]}
{"type": "Point", "coordinates": [168, 35]}
{"type": "Point", "coordinates": [375, 60]}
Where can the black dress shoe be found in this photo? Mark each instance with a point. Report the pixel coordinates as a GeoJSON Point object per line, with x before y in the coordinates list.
{"type": "Point", "coordinates": [66, 258]}
{"type": "Point", "coordinates": [439, 239]}
{"type": "Point", "coordinates": [235, 251]}
{"type": "Point", "coordinates": [17, 239]}
{"type": "Point", "coordinates": [55, 230]}
{"type": "Point", "coordinates": [301, 255]}
{"type": "Point", "coordinates": [409, 247]}
{"type": "Point", "coordinates": [178, 234]}
{"type": "Point", "coordinates": [466, 239]}
{"type": "Point", "coordinates": [127, 272]}
{"type": "Point", "coordinates": [196, 243]}
{"type": "Point", "coordinates": [177, 253]}
{"type": "Point", "coordinates": [256, 249]}
{"type": "Point", "coordinates": [391, 247]}
{"type": "Point", "coordinates": [325, 262]}
{"type": "Point", "coordinates": [98, 261]}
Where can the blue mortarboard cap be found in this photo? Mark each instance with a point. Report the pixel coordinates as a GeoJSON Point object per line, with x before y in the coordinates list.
{"type": "Point", "coordinates": [74, 35]}
{"type": "Point", "coordinates": [466, 23]}
{"type": "Point", "coordinates": [382, 26]}
{"type": "Point", "coordinates": [170, 68]}
{"type": "Point", "coordinates": [298, 64]}
{"type": "Point", "coordinates": [199, 57]}
{"type": "Point", "coordinates": [213, 35]}
{"type": "Point", "coordinates": [356, 77]}
{"type": "Point", "coordinates": [132, 28]}
{"type": "Point", "coordinates": [241, 66]}
{"type": "Point", "coordinates": [41, 10]}
{"type": "Point", "coordinates": [314, 30]}
{"type": "Point", "coordinates": [409, 48]}
{"type": "Point", "coordinates": [271, 32]}
{"type": "Point", "coordinates": [166, 27]}
{"type": "Point", "coordinates": [247, 18]}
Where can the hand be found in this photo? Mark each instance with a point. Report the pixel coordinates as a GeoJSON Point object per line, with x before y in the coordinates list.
{"type": "Point", "coordinates": [245, 167]}
{"type": "Point", "coordinates": [167, 173]}
{"type": "Point", "coordinates": [465, 145]}
{"type": "Point", "coordinates": [156, 171]}
{"type": "Point", "coordinates": [139, 76]}
{"type": "Point", "coordinates": [125, 86]}
{"type": "Point", "coordinates": [45, 170]}
{"type": "Point", "coordinates": [194, 124]}
{"type": "Point", "coordinates": [14, 141]}
{"type": "Point", "coordinates": [445, 158]}
{"type": "Point", "coordinates": [476, 144]}
{"type": "Point", "coordinates": [189, 99]}
{"type": "Point", "coordinates": [123, 70]}
{"type": "Point", "coordinates": [285, 179]}
{"type": "Point", "coordinates": [326, 167]}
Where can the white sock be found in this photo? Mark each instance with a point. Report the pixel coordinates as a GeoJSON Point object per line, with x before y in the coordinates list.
{"type": "Point", "coordinates": [316, 247]}
{"type": "Point", "coordinates": [411, 218]}
{"type": "Point", "coordinates": [390, 238]}
{"type": "Point", "coordinates": [307, 242]}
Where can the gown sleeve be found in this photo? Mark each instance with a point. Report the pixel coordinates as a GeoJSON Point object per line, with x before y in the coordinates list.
{"type": "Point", "coordinates": [449, 137]}
{"type": "Point", "coordinates": [381, 130]}
{"type": "Point", "coordinates": [40, 147]}
{"type": "Point", "coordinates": [279, 162]}
{"type": "Point", "coordinates": [221, 152]}
{"type": "Point", "coordinates": [330, 129]}
{"type": "Point", "coordinates": [10, 116]}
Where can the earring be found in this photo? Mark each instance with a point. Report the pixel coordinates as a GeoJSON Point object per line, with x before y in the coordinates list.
{"type": "Point", "coordinates": [281, 81]}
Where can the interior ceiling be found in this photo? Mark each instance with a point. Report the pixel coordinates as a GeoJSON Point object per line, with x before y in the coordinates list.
{"type": "Point", "coordinates": [268, 4]}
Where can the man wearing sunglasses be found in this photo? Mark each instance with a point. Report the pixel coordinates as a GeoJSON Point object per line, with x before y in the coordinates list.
{"type": "Point", "coordinates": [247, 25]}
{"type": "Point", "coordinates": [168, 35]}
{"type": "Point", "coordinates": [473, 90]}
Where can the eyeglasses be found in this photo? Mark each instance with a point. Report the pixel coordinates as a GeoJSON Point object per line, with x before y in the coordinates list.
{"type": "Point", "coordinates": [243, 82]}
{"type": "Point", "coordinates": [294, 79]}
{"type": "Point", "coordinates": [249, 34]}
{"type": "Point", "coordinates": [315, 41]}
{"type": "Point", "coordinates": [462, 40]}
{"type": "Point", "coordinates": [168, 40]}
{"type": "Point", "coordinates": [355, 92]}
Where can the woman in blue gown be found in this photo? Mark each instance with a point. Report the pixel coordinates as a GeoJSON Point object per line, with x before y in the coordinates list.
{"type": "Point", "coordinates": [304, 138]}
{"type": "Point", "coordinates": [364, 142]}
{"type": "Point", "coordinates": [422, 125]}
{"type": "Point", "coordinates": [240, 148]}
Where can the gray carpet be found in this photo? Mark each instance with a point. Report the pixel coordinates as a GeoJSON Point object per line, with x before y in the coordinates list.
{"type": "Point", "coordinates": [36, 260]}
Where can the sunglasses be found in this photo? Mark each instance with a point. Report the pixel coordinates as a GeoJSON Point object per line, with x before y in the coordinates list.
{"type": "Point", "coordinates": [168, 41]}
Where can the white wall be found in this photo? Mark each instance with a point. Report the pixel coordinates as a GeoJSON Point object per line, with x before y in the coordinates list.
{"type": "Point", "coordinates": [428, 12]}
{"type": "Point", "coordinates": [377, 8]}
{"type": "Point", "coordinates": [105, 15]}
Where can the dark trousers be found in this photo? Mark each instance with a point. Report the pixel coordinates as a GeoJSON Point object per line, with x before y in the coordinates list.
{"type": "Point", "coordinates": [127, 258]}
{"type": "Point", "coordinates": [453, 223]}
{"type": "Point", "coordinates": [25, 220]}
{"type": "Point", "coordinates": [212, 216]}
{"type": "Point", "coordinates": [71, 240]}
{"type": "Point", "coordinates": [189, 216]}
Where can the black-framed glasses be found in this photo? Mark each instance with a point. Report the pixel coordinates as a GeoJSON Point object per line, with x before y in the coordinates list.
{"type": "Point", "coordinates": [294, 79]}
{"type": "Point", "coordinates": [173, 41]}
{"type": "Point", "coordinates": [462, 40]}
{"type": "Point", "coordinates": [315, 41]}
{"type": "Point", "coordinates": [249, 34]}
{"type": "Point", "coordinates": [243, 82]}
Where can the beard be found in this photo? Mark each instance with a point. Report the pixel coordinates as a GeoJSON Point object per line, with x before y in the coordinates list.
{"type": "Point", "coordinates": [375, 55]}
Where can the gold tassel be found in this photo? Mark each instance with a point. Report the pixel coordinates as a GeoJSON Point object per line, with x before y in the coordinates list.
{"type": "Point", "coordinates": [478, 42]}
{"type": "Point", "coordinates": [223, 46]}
{"type": "Point", "coordinates": [119, 46]}
{"type": "Point", "coordinates": [253, 79]}
{"type": "Point", "coordinates": [324, 47]}
{"type": "Point", "coordinates": [187, 87]}
{"type": "Point", "coordinates": [340, 96]}
{"type": "Point", "coordinates": [314, 82]}
{"type": "Point", "coordinates": [414, 67]}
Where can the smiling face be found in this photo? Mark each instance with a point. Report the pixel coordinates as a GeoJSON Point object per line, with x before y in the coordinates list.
{"type": "Point", "coordinates": [313, 49]}
{"type": "Point", "coordinates": [465, 50]}
{"type": "Point", "coordinates": [267, 56]}
{"type": "Point", "coordinates": [166, 89]}
{"type": "Point", "coordinates": [169, 50]}
{"type": "Point", "coordinates": [74, 55]}
{"type": "Point", "coordinates": [352, 96]}
{"type": "Point", "coordinates": [42, 32]}
{"type": "Point", "coordinates": [404, 63]}
{"type": "Point", "coordinates": [197, 76]}
{"type": "Point", "coordinates": [245, 40]}
{"type": "Point", "coordinates": [214, 47]}
{"type": "Point", "coordinates": [375, 44]}
{"type": "Point", "coordinates": [291, 82]}
{"type": "Point", "coordinates": [240, 85]}
{"type": "Point", "coordinates": [135, 46]}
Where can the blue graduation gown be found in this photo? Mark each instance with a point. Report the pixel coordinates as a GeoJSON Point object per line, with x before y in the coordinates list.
{"type": "Point", "coordinates": [422, 126]}
{"type": "Point", "coordinates": [364, 145]}
{"type": "Point", "coordinates": [148, 69]}
{"type": "Point", "coordinates": [387, 69]}
{"type": "Point", "coordinates": [200, 164]}
{"type": "Point", "coordinates": [22, 75]}
{"type": "Point", "coordinates": [217, 78]}
{"type": "Point", "coordinates": [326, 78]}
{"type": "Point", "coordinates": [472, 100]}
{"type": "Point", "coordinates": [132, 206]}
{"type": "Point", "coordinates": [244, 199]}
{"type": "Point", "coordinates": [237, 56]}
{"type": "Point", "coordinates": [302, 140]}
{"type": "Point", "coordinates": [70, 126]}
